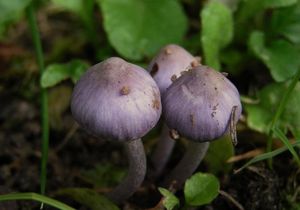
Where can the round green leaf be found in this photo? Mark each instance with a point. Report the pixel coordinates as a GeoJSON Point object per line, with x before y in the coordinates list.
{"type": "Point", "coordinates": [261, 114]}
{"type": "Point", "coordinates": [138, 28]}
{"type": "Point", "coordinates": [56, 73]}
{"type": "Point", "coordinates": [281, 57]}
{"type": "Point", "coordinates": [201, 188]}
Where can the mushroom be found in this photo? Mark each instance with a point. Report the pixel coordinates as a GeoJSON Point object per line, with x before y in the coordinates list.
{"type": "Point", "coordinates": [119, 101]}
{"type": "Point", "coordinates": [201, 106]}
{"type": "Point", "coordinates": [171, 61]}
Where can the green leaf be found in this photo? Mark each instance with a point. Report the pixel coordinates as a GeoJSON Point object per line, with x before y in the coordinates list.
{"type": "Point", "coordinates": [36, 197]}
{"type": "Point", "coordinates": [261, 114]}
{"type": "Point", "coordinates": [266, 156]}
{"type": "Point", "coordinates": [217, 31]}
{"type": "Point", "coordinates": [278, 3]}
{"type": "Point", "coordinates": [170, 200]}
{"type": "Point", "coordinates": [217, 155]}
{"type": "Point", "coordinates": [11, 11]}
{"type": "Point", "coordinates": [259, 118]}
{"type": "Point", "coordinates": [285, 22]}
{"type": "Point", "coordinates": [76, 69]}
{"type": "Point", "coordinates": [73, 5]}
{"type": "Point", "coordinates": [252, 9]}
{"type": "Point", "coordinates": [201, 189]}
{"type": "Point", "coordinates": [281, 57]}
{"type": "Point", "coordinates": [138, 28]}
{"type": "Point", "coordinates": [89, 198]}
{"type": "Point", "coordinates": [56, 73]}
{"type": "Point", "coordinates": [83, 8]}
{"type": "Point", "coordinates": [104, 175]}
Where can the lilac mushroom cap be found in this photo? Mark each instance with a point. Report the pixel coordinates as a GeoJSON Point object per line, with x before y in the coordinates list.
{"type": "Point", "coordinates": [198, 105]}
{"type": "Point", "coordinates": [116, 100]}
{"type": "Point", "coordinates": [168, 65]}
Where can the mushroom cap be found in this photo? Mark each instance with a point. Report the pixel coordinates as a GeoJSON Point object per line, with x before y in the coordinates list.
{"type": "Point", "coordinates": [198, 105]}
{"type": "Point", "coordinates": [168, 65]}
{"type": "Point", "coordinates": [116, 100]}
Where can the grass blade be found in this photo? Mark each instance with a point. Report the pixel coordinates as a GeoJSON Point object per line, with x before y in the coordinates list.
{"type": "Point", "coordinates": [280, 110]}
{"type": "Point", "coordinates": [266, 156]}
{"type": "Point", "coordinates": [36, 197]}
{"type": "Point", "coordinates": [287, 143]}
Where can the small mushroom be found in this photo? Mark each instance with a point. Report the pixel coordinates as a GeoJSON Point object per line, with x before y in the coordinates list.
{"type": "Point", "coordinates": [119, 101]}
{"type": "Point", "coordinates": [201, 106]}
{"type": "Point", "coordinates": [170, 62]}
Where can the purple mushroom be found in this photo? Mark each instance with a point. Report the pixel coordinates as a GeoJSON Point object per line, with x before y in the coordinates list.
{"type": "Point", "coordinates": [201, 106]}
{"type": "Point", "coordinates": [170, 62]}
{"type": "Point", "coordinates": [119, 101]}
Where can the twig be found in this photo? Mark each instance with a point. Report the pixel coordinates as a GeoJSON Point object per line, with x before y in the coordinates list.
{"type": "Point", "coordinates": [250, 154]}
{"type": "Point", "coordinates": [231, 199]}
{"type": "Point", "coordinates": [67, 137]}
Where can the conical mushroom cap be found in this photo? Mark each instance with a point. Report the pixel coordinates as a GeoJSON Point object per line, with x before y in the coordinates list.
{"type": "Point", "coordinates": [116, 100]}
{"type": "Point", "coordinates": [168, 65]}
{"type": "Point", "coordinates": [198, 105]}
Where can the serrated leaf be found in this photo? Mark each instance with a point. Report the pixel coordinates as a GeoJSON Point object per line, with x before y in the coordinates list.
{"type": "Point", "coordinates": [281, 57]}
{"type": "Point", "coordinates": [261, 114]}
{"type": "Point", "coordinates": [89, 198]}
{"type": "Point", "coordinates": [201, 188]}
{"type": "Point", "coordinates": [56, 73]}
{"type": "Point", "coordinates": [218, 153]}
{"type": "Point", "coordinates": [217, 31]}
{"type": "Point", "coordinates": [104, 175]}
{"type": "Point", "coordinates": [286, 22]}
{"type": "Point", "coordinates": [139, 28]}
{"type": "Point", "coordinates": [170, 200]}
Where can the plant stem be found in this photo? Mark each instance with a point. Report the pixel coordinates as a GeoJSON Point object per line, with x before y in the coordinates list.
{"type": "Point", "coordinates": [280, 110]}
{"type": "Point", "coordinates": [187, 165]}
{"type": "Point", "coordinates": [43, 95]}
{"type": "Point", "coordinates": [136, 172]}
{"type": "Point", "coordinates": [162, 152]}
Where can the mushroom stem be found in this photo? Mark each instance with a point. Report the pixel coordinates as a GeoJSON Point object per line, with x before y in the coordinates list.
{"type": "Point", "coordinates": [162, 152]}
{"type": "Point", "coordinates": [136, 172]}
{"type": "Point", "coordinates": [187, 165]}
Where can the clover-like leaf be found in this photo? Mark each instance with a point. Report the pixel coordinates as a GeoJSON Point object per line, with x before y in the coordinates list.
{"type": "Point", "coordinates": [201, 188]}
